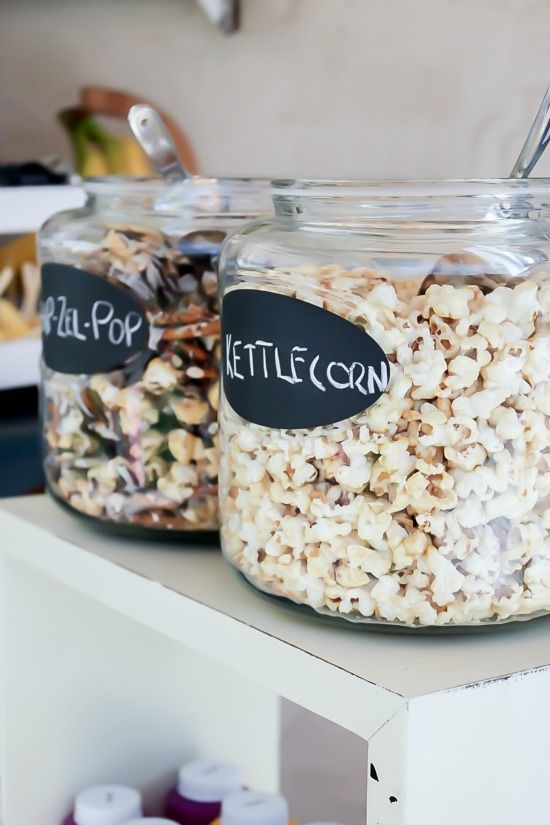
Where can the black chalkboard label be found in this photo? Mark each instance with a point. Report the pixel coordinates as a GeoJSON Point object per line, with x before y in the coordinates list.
{"type": "Point", "coordinates": [88, 324]}
{"type": "Point", "coordinates": [289, 364]}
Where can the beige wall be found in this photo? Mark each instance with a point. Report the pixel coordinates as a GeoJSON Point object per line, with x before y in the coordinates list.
{"type": "Point", "coordinates": [307, 87]}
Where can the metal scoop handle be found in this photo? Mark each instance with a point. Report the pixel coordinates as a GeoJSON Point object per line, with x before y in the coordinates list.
{"type": "Point", "coordinates": [536, 142]}
{"type": "Point", "coordinates": [155, 140]}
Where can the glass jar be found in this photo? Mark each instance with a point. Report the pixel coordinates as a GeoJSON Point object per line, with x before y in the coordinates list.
{"type": "Point", "coordinates": [385, 433]}
{"type": "Point", "coordinates": [131, 348]}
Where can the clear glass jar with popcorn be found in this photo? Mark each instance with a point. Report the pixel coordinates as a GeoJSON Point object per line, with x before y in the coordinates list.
{"type": "Point", "coordinates": [385, 407]}
{"type": "Point", "coordinates": [130, 373]}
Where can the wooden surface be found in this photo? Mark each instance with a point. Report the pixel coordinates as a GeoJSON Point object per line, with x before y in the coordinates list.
{"type": "Point", "coordinates": [457, 726]}
{"type": "Point", "coordinates": [408, 664]}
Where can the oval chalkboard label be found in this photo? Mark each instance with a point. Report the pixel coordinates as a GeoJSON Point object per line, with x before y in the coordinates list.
{"type": "Point", "coordinates": [289, 364]}
{"type": "Point", "coordinates": [88, 324]}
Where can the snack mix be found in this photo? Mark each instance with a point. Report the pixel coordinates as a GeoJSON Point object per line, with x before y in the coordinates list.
{"type": "Point", "coordinates": [432, 506]}
{"type": "Point", "coordinates": [138, 445]}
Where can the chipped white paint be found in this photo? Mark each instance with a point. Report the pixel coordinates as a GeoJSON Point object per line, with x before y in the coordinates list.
{"type": "Point", "coordinates": [480, 753]}
{"type": "Point", "coordinates": [386, 772]}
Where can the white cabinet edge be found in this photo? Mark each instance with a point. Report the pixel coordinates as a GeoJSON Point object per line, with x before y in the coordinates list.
{"type": "Point", "coordinates": [298, 675]}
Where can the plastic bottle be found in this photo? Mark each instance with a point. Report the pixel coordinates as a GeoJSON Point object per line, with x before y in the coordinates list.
{"type": "Point", "coordinates": [254, 808]}
{"type": "Point", "coordinates": [105, 805]}
{"type": "Point", "coordinates": [202, 786]}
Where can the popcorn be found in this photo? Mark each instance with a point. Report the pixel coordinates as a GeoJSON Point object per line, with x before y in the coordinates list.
{"type": "Point", "coordinates": [448, 301]}
{"type": "Point", "coordinates": [413, 546]}
{"type": "Point", "coordinates": [466, 457]}
{"type": "Point", "coordinates": [160, 376]}
{"type": "Point", "coordinates": [213, 395]}
{"type": "Point", "coordinates": [463, 372]}
{"type": "Point", "coordinates": [355, 476]}
{"type": "Point", "coordinates": [384, 594]}
{"type": "Point", "coordinates": [431, 507]}
{"type": "Point", "coordinates": [447, 580]}
{"type": "Point", "coordinates": [106, 390]}
{"type": "Point", "coordinates": [481, 404]}
{"type": "Point", "coordinates": [426, 369]}
{"type": "Point", "coordinates": [376, 562]}
{"type": "Point", "coordinates": [356, 600]}
{"type": "Point", "coordinates": [184, 446]}
{"type": "Point", "coordinates": [506, 422]}
{"type": "Point", "coordinates": [348, 576]}
{"type": "Point", "coordinates": [189, 411]}
{"type": "Point", "coordinates": [116, 443]}
{"type": "Point", "coordinates": [541, 397]}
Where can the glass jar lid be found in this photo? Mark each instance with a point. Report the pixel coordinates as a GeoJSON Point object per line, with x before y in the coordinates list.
{"type": "Point", "coordinates": [361, 202]}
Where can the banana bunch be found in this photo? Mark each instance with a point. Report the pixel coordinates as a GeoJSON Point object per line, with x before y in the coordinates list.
{"type": "Point", "coordinates": [97, 152]}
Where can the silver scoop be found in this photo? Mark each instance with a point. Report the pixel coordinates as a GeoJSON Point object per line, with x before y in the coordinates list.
{"type": "Point", "coordinates": [535, 142]}
{"type": "Point", "coordinates": [154, 138]}
{"type": "Point", "coordinates": [460, 263]}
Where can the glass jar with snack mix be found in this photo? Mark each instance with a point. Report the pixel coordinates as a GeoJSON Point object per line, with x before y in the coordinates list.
{"type": "Point", "coordinates": [385, 412]}
{"type": "Point", "coordinates": [130, 316]}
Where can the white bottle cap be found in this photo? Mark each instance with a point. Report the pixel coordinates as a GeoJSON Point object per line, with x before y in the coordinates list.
{"type": "Point", "coordinates": [151, 820]}
{"type": "Point", "coordinates": [323, 823]}
{"type": "Point", "coordinates": [205, 781]}
{"type": "Point", "coordinates": [252, 808]}
{"type": "Point", "coordinates": [107, 805]}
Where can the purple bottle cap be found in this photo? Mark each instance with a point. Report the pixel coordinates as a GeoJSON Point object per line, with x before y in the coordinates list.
{"type": "Point", "coordinates": [208, 781]}
{"type": "Point", "coordinates": [253, 808]}
{"type": "Point", "coordinates": [107, 805]}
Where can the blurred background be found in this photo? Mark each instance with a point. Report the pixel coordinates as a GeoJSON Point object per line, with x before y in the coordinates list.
{"type": "Point", "coordinates": [292, 88]}
{"type": "Point", "coordinates": [372, 88]}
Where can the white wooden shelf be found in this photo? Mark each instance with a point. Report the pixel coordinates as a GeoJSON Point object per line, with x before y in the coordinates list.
{"type": "Point", "coordinates": [25, 208]}
{"type": "Point", "coordinates": [450, 720]}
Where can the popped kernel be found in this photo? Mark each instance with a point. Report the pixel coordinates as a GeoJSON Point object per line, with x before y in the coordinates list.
{"type": "Point", "coordinates": [431, 506]}
{"type": "Point", "coordinates": [116, 442]}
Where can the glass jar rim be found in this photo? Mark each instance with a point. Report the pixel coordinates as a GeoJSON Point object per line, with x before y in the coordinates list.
{"type": "Point", "coordinates": [230, 180]}
{"type": "Point", "coordinates": [363, 203]}
{"type": "Point", "coordinates": [116, 185]}
{"type": "Point", "coordinates": [196, 197]}
{"type": "Point", "coordinates": [410, 188]}
{"type": "Point", "coordinates": [150, 185]}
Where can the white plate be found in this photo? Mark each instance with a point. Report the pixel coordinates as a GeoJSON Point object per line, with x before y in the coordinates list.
{"type": "Point", "coordinates": [19, 363]}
